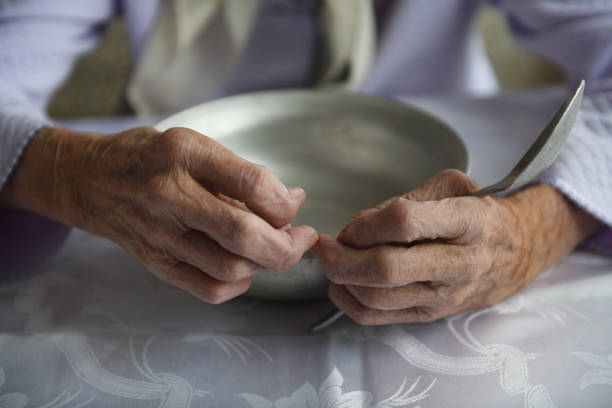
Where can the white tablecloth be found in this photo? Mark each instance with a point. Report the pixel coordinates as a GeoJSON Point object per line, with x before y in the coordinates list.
{"type": "Point", "coordinates": [95, 329]}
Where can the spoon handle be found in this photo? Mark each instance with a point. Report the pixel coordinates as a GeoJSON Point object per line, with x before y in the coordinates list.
{"type": "Point", "coordinates": [326, 321]}
{"type": "Point", "coordinates": [543, 152]}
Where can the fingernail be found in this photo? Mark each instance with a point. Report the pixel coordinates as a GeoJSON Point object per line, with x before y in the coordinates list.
{"type": "Point", "coordinates": [297, 193]}
{"type": "Point", "coordinates": [325, 239]}
{"type": "Point", "coordinates": [304, 236]}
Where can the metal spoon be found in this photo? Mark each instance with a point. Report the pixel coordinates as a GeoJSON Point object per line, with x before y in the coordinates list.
{"type": "Point", "coordinates": [538, 158]}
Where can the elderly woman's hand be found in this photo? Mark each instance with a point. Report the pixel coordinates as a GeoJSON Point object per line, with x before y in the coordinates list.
{"type": "Point", "coordinates": [437, 251]}
{"type": "Point", "coordinates": [194, 213]}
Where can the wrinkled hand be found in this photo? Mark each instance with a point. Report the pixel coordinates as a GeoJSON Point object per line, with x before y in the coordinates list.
{"type": "Point", "coordinates": [195, 214]}
{"type": "Point", "coordinates": [435, 252]}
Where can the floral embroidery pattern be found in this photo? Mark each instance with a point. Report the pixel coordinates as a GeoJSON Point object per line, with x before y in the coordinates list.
{"type": "Point", "coordinates": [172, 390]}
{"type": "Point", "coordinates": [330, 395]}
{"type": "Point", "coordinates": [601, 373]}
{"type": "Point", "coordinates": [241, 346]}
{"type": "Point", "coordinates": [142, 329]}
{"type": "Point", "coordinates": [510, 362]}
{"type": "Point", "coordinates": [13, 399]}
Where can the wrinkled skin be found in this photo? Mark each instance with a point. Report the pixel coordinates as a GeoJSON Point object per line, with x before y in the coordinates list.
{"type": "Point", "coordinates": [435, 251]}
{"type": "Point", "coordinates": [201, 218]}
{"type": "Point", "coordinates": [195, 214]}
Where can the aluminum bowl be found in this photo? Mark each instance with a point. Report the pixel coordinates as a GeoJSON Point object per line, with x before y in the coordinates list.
{"type": "Point", "coordinates": [348, 151]}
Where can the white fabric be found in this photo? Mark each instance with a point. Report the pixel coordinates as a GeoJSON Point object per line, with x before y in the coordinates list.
{"type": "Point", "coordinates": [97, 330]}
{"type": "Point", "coordinates": [584, 167]}
{"type": "Point", "coordinates": [190, 53]}
{"type": "Point", "coordinates": [195, 45]}
{"type": "Point", "coordinates": [18, 121]}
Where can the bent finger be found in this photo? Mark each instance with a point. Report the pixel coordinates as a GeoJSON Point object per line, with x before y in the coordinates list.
{"type": "Point", "coordinates": [244, 233]}
{"type": "Point", "coordinates": [199, 284]}
{"type": "Point", "coordinates": [199, 250]}
{"type": "Point", "coordinates": [216, 166]}
{"type": "Point", "coordinates": [445, 184]}
{"type": "Point", "coordinates": [366, 316]}
{"type": "Point", "coordinates": [405, 221]}
{"type": "Point", "coordinates": [233, 202]}
{"type": "Point", "coordinates": [388, 266]}
{"type": "Point", "coordinates": [402, 297]}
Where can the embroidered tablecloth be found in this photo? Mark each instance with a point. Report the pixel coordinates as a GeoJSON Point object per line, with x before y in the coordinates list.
{"type": "Point", "coordinates": [95, 329]}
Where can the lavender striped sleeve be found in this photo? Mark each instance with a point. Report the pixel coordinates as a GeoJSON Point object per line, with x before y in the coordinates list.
{"type": "Point", "coordinates": [577, 34]}
{"type": "Point", "coordinates": [39, 41]}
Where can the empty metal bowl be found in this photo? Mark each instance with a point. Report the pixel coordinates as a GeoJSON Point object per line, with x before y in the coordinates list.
{"type": "Point", "coordinates": [348, 151]}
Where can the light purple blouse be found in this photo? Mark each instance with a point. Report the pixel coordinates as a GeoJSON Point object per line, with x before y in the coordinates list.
{"type": "Point", "coordinates": [425, 46]}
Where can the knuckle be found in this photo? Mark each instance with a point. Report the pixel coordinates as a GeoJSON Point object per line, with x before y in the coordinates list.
{"type": "Point", "coordinates": [255, 178]}
{"type": "Point", "coordinates": [451, 175]}
{"type": "Point", "coordinates": [424, 315]}
{"type": "Point", "coordinates": [241, 233]}
{"type": "Point", "coordinates": [289, 255]}
{"type": "Point", "coordinates": [459, 181]}
{"type": "Point", "coordinates": [478, 216]}
{"type": "Point", "coordinates": [386, 268]}
{"type": "Point", "coordinates": [470, 217]}
{"type": "Point", "coordinates": [491, 218]}
{"type": "Point", "coordinates": [233, 270]}
{"type": "Point", "coordinates": [174, 139]}
{"type": "Point", "coordinates": [471, 186]}
{"type": "Point", "coordinates": [401, 214]}
{"type": "Point", "coordinates": [455, 298]}
{"type": "Point", "coordinates": [473, 265]}
{"type": "Point", "coordinates": [370, 297]}
{"type": "Point", "coordinates": [465, 205]}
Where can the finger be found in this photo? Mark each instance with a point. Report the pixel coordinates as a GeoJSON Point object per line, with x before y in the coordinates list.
{"type": "Point", "coordinates": [402, 297]}
{"type": "Point", "coordinates": [366, 316]}
{"type": "Point", "coordinates": [405, 221]}
{"type": "Point", "coordinates": [203, 286]}
{"type": "Point", "coordinates": [447, 183]}
{"type": "Point", "coordinates": [218, 167]}
{"type": "Point", "coordinates": [389, 266]}
{"type": "Point", "coordinates": [197, 249]}
{"type": "Point", "coordinates": [242, 206]}
{"type": "Point", "coordinates": [244, 233]}
{"type": "Point", "coordinates": [234, 202]}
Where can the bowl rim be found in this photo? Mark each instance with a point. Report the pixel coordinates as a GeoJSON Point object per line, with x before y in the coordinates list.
{"type": "Point", "coordinates": [197, 111]}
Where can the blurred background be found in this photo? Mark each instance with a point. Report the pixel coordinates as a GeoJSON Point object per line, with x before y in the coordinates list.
{"type": "Point", "coordinates": [96, 85]}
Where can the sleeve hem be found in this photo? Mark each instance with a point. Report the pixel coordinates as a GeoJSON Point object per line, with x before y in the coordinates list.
{"type": "Point", "coordinates": [20, 148]}
{"type": "Point", "coordinates": [579, 199]}
{"type": "Point", "coordinates": [18, 125]}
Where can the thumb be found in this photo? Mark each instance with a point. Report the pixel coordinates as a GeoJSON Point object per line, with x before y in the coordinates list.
{"type": "Point", "coordinates": [445, 184]}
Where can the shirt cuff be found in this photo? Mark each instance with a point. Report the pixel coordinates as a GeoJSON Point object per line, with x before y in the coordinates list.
{"type": "Point", "coordinates": [18, 124]}
{"type": "Point", "coordinates": [583, 170]}
{"type": "Point", "coordinates": [26, 239]}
